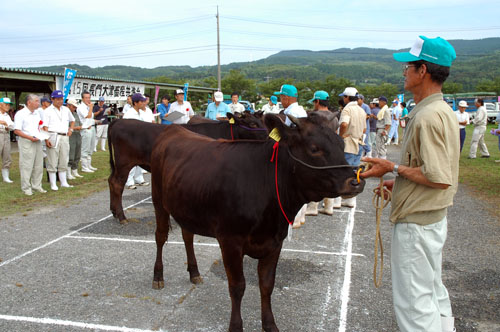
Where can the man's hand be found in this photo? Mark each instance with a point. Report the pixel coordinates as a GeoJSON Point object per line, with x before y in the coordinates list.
{"type": "Point", "coordinates": [47, 143]}
{"type": "Point", "coordinates": [378, 169]}
{"type": "Point", "coordinates": [70, 132]}
{"type": "Point", "coordinates": [34, 139]}
{"type": "Point", "coordinates": [387, 184]}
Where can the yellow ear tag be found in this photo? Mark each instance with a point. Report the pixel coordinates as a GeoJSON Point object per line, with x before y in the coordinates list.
{"type": "Point", "coordinates": [275, 135]}
{"type": "Point", "coordinates": [231, 121]}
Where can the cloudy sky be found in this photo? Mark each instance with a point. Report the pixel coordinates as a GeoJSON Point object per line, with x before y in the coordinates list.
{"type": "Point", "coordinates": [162, 33]}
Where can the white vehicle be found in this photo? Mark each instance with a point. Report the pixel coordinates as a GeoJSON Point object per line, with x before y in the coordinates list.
{"type": "Point", "coordinates": [492, 111]}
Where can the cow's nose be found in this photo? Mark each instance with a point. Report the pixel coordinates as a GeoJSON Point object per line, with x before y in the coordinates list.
{"type": "Point", "coordinates": [355, 183]}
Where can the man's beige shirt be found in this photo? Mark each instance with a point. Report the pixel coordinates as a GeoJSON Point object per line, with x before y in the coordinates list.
{"type": "Point", "coordinates": [432, 143]}
{"type": "Point", "coordinates": [355, 117]}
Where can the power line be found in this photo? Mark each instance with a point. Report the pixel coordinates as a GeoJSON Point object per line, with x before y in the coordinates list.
{"type": "Point", "coordinates": [342, 28]}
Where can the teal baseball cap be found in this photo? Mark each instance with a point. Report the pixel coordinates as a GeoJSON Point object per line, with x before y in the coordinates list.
{"type": "Point", "coordinates": [5, 100]}
{"type": "Point", "coordinates": [288, 90]}
{"type": "Point", "coordinates": [434, 50]}
{"type": "Point", "coordinates": [320, 95]}
{"type": "Point", "coordinates": [274, 100]}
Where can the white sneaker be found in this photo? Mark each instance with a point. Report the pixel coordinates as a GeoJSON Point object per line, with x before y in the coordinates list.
{"type": "Point", "coordinates": [86, 170]}
{"type": "Point", "coordinates": [142, 184]}
{"type": "Point", "coordinates": [131, 187]}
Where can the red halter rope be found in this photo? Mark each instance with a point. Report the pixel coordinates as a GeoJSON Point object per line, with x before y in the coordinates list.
{"type": "Point", "coordinates": [275, 157]}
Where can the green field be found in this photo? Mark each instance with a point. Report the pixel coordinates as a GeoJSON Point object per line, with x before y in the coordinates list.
{"type": "Point", "coordinates": [481, 175]}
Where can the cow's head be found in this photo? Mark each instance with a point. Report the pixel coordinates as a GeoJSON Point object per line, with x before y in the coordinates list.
{"type": "Point", "coordinates": [311, 141]}
{"type": "Point", "coordinates": [248, 126]}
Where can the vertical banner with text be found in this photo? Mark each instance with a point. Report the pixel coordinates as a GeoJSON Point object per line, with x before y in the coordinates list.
{"type": "Point", "coordinates": [401, 97]}
{"type": "Point", "coordinates": [69, 75]}
{"type": "Point", "coordinates": [186, 87]}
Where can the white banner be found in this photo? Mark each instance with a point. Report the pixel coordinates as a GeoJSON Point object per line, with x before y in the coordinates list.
{"type": "Point", "coordinates": [111, 91]}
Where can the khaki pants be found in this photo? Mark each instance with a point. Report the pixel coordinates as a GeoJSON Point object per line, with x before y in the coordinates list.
{"type": "Point", "coordinates": [75, 150]}
{"type": "Point", "coordinates": [380, 143]}
{"type": "Point", "coordinates": [5, 150]}
{"type": "Point", "coordinates": [478, 139]}
{"type": "Point", "coordinates": [58, 157]}
{"type": "Point", "coordinates": [419, 296]}
{"type": "Point", "coordinates": [88, 142]}
{"type": "Point", "coordinates": [30, 164]}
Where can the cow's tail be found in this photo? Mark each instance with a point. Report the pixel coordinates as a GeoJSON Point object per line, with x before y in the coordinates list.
{"type": "Point", "coordinates": [110, 147]}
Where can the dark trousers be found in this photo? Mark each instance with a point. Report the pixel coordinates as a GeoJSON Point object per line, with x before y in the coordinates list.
{"type": "Point", "coordinates": [462, 138]}
{"type": "Point", "coordinates": [75, 149]}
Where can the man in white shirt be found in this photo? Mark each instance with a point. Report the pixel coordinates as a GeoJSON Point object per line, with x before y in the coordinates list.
{"type": "Point", "coordinates": [147, 113]}
{"type": "Point", "coordinates": [45, 102]}
{"type": "Point", "coordinates": [59, 123]}
{"type": "Point", "coordinates": [235, 106]}
{"type": "Point", "coordinates": [395, 115]}
{"type": "Point", "coordinates": [88, 133]}
{"type": "Point", "coordinates": [463, 120]}
{"type": "Point", "coordinates": [135, 176]}
{"type": "Point", "coordinates": [128, 104]}
{"type": "Point", "coordinates": [288, 97]}
{"type": "Point", "coordinates": [26, 125]}
{"type": "Point", "coordinates": [182, 106]}
{"type": "Point", "coordinates": [271, 107]}
{"type": "Point", "coordinates": [6, 125]}
{"type": "Point", "coordinates": [479, 122]}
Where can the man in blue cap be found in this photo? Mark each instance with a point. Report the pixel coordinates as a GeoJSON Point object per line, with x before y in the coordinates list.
{"type": "Point", "coordinates": [271, 106]}
{"type": "Point", "coordinates": [426, 181]}
{"type": "Point", "coordinates": [288, 97]}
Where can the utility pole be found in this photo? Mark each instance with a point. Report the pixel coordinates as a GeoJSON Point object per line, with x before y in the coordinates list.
{"type": "Point", "coordinates": [267, 78]}
{"type": "Point", "coordinates": [218, 52]}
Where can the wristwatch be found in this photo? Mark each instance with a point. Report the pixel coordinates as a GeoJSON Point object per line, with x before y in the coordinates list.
{"type": "Point", "coordinates": [395, 169]}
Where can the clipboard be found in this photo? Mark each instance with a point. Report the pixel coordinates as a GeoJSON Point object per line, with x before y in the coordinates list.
{"type": "Point", "coordinates": [175, 115]}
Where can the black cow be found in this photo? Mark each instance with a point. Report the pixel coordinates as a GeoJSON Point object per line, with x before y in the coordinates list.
{"type": "Point", "coordinates": [226, 190]}
{"type": "Point", "coordinates": [131, 142]}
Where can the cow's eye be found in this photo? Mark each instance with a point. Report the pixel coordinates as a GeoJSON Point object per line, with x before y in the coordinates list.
{"type": "Point", "coordinates": [314, 149]}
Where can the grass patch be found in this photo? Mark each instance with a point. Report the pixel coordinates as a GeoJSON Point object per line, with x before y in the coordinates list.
{"type": "Point", "coordinates": [482, 175]}
{"type": "Point", "coordinates": [12, 199]}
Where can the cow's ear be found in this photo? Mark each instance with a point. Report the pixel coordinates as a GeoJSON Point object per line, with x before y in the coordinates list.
{"type": "Point", "coordinates": [259, 114]}
{"type": "Point", "coordinates": [272, 121]}
{"type": "Point", "coordinates": [233, 118]}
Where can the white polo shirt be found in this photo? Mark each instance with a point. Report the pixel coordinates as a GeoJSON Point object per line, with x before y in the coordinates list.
{"type": "Point", "coordinates": [184, 108]}
{"type": "Point", "coordinates": [10, 125]}
{"type": "Point", "coordinates": [236, 108]}
{"type": "Point", "coordinates": [147, 115]}
{"type": "Point", "coordinates": [132, 114]}
{"type": "Point", "coordinates": [461, 117]}
{"type": "Point", "coordinates": [294, 110]}
{"type": "Point", "coordinates": [28, 122]}
{"type": "Point", "coordinates": [83, 110]}
{"type": "Point", "coordinates": [57, 120]}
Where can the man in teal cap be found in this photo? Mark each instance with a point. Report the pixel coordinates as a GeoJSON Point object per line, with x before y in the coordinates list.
{"type": "Point", "coordinates": [271, 106]}
{"type": "Point", "coordinates": [288, 97]}
{"type": "Point", "coordinates": [426, 181]}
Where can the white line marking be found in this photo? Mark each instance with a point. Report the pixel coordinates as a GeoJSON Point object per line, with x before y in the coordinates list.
{"type": "Point", "coordinates": [62, 237]}
{"type": "Point", "coordinates": [324, 308]}
{"type": "Point", "coordinates": [206, 244]}
{"type": "Point", "coordinates": [347, 274]}
{"type": "Point", "coordinates": [50, 321]}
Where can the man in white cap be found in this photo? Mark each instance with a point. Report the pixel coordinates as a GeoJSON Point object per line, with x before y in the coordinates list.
{"type": "Point", "coordinates": [6, 125]}
{"type": "Point", "coordinates": [218, 109]}
{"type": "Point", "coordinates": [463, 120]}
{"type": "Point", "coordinates": [480, 121]}
{"type": "Point", "coordinates": [85, 112]}
{"type": "Point", "coordinates": [27, 124]}
{"type": "Point", "coordinates": [426, 180]}
{"type": "Point", "coordinates": [183, 106]}
{"type": "Point", "coordinates": [352, 128]}
{"type": "Point", "coordinates": [59, 122]}
{"type": "Point", "coordinates": [135, 177]}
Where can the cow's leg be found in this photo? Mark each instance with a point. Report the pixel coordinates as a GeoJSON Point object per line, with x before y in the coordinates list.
{"type": "Point", "coordinates": [233, 263]}
{"type": "Point", "coordinates": [161, 234]}
{"type": "Point", "coordinates": [116, 182]}
{"type": "Point", "coordinates": [194, 274]}
{"type": "Point", "coordinates": [267, 274]}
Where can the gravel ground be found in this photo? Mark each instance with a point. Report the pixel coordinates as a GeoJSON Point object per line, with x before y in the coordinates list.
{"type": "Point", "coordinates": [76, 267]}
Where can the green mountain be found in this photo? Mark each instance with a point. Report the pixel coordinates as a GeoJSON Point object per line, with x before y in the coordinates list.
{"type": "Point", "coordinates": [477, 61]}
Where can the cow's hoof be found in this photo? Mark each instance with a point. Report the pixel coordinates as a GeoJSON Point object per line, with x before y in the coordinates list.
{"type": "Point", "coordinates": [273, 328]}
{"type": "Point", "coordinates": [123, 221]}
{"type": "Point", "coordinates": [197, 280]}
{"type": "Point", "coordinates": [158, 284]}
